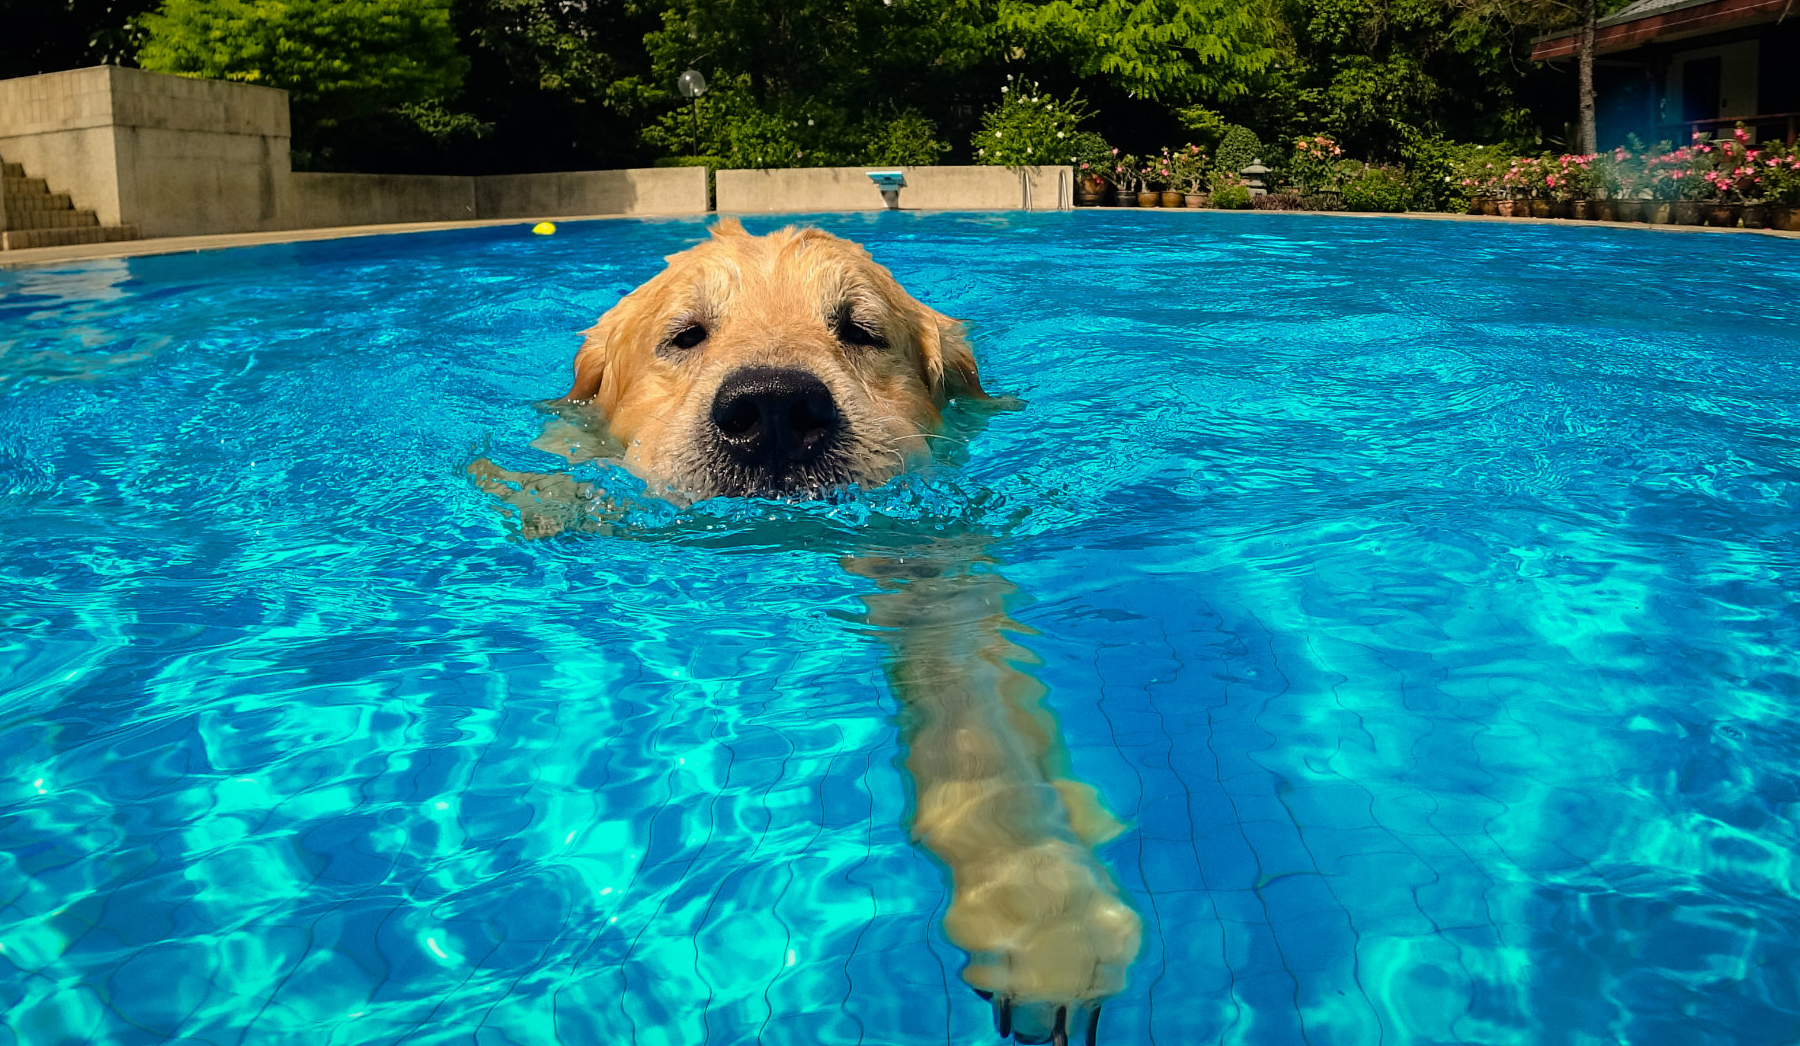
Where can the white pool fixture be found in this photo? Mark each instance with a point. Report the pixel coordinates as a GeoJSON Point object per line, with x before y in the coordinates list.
{"type": "Point", "coordinates": [890, 183]}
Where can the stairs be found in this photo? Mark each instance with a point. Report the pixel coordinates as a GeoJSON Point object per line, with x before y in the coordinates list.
{"type": "Point", "coordinates": [37, 217]}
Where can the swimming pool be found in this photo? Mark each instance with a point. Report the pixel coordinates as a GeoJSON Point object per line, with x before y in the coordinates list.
{"type": "Point", "coordinates": [1423, 596]}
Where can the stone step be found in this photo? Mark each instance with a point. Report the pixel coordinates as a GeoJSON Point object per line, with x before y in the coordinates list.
{"type": "Point", "coordinates": [12, 170]}
{"type": "Point", "coordinates": [21, 186]}
{"type": "Point", "coordinates": [42, 219]}
{"type": "Point", "coordinates": [27, 238]}
{"type": "Point", "coordinates": [50, 201]}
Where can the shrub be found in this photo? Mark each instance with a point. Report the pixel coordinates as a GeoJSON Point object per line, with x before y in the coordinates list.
{"type": "Point", "coordinates": [1276, 201]}
{"type": "Point", "coordinates": [1239, 149]}
{"type": "Point", "coordinates": [1377, 188]}
{"type": "Point", "coordinates": [1228, 192]}
{"type": "Point", "coordinates": [1028, 127]}
{"type": "Point", "coordinates": [1316, 164]}
{"type": "Point", "coordinates": [908, 138]}
{"type": "Point", "coordinates": [1446, 174]}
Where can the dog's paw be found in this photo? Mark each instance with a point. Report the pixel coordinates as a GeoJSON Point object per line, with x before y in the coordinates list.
{"type": "Point", "coordinates": [1048, 937]}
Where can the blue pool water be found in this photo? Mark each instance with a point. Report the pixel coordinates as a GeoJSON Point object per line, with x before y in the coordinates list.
{"type": "Point", "coordinates": [1422, 595]}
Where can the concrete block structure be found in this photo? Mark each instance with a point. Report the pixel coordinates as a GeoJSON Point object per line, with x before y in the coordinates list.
{"type": "Point", "coordinates": [167, 154]}
{"type": "Point", "coordinates": [927, 189]}
{"type": "Point", "coordinates": [164, 155]}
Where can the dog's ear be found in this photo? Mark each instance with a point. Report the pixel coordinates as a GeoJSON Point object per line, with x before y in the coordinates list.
{"type": "Point", "coordinates": [727, 227]}
{"type": "Point", "coordinates": [949, 362]}
{"type": "Point", "coordinates": [590, 363]}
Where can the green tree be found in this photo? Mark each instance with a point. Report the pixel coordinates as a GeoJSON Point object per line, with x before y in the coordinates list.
{"type": "Point", "coordinates": [44, 36]}
{"type": "Point", "coordinates": [1540, 16]}
{"type": "Point", "coordinates": [825, 66]}
{"type": "Point", "coordinates": [560, 82]}
{"type": "Point", "coordinates": [1170, 50]}
{"type": "Point", "coordinates": [1381, 75]}
{"type": "Point", "coordinates": [346, 64]}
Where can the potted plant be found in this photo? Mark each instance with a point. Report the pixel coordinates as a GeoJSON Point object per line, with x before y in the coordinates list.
{"type": "Point", "coordinates": [1679, 183]}
{"type": "Point", "coordinates": [1781, 187]}
{"type": "Point", "coordinates": [1150, 182]}
{"type": "Point", "coordinates": [1189, 167]}
{"type": "Point", "coordinates": [1126, 177]}
{"type": "Point", "coordinates": [1165, 176]}
{"type": "Point", "coordinates": [1092, 159]}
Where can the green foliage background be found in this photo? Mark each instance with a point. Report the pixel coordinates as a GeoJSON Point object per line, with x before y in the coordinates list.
{"type": "Point", "coordinates": [517, 85]}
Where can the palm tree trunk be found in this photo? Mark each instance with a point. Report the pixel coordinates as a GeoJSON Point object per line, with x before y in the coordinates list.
{"type": "Point", "coordinates": [1590, 141]}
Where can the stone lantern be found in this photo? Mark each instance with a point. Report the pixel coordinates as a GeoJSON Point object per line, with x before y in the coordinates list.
{"type": "Point", "coordinates": [1256, 178]}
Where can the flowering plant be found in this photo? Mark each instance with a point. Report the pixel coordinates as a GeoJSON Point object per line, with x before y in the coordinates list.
{"type": "Point", "coordinates": [1189, 166]}
{"type": "Point", "coordinates": [1157, 173]}
{"type": "Point", "coordinates": [1482, 173]}
{"type": "Point", "coordinates": [1127, 172]}
{"type": "Point", "coordinates": [1091, 157]}
{"type": "Point", "coordinates": [1570, 176]}
{"type": "Point", "coordinates": [1621, 174]}
{"type": "Point", "coordinates": [1681, 174]}
{"type": "Point", "coordinates": [1027, 127]}
{"type": "Point", "coordinates": [1317, 164]}
{"type": "Point", "coordinates": [1778, 173]}
{"type": "Point", "coordinates": [1524, 179]}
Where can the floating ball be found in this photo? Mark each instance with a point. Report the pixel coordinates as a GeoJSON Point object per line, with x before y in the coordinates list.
{"type": "Point", "coordinates": [544, 228]}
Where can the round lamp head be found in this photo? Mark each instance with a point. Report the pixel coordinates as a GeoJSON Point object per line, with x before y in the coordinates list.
{"type": "Point", "coordinates": [692, 84]}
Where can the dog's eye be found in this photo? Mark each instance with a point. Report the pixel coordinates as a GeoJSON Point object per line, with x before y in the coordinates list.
{"type": "Point", "coordinates": [851, 332]}
{"type": "Point", "coordinates": [689, 336]}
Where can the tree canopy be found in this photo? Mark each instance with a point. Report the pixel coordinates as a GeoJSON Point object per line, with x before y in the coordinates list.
{"type": "Point", "coordinates": [546, 84]}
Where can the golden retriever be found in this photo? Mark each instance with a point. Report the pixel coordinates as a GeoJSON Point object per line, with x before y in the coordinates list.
{"type": "Point", "coordinates": [792, 365]}
{"type": "Point", "coordinates": [772, 365]}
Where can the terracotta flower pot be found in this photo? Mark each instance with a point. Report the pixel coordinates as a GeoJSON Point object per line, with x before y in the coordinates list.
{"type": "Point", "coordinates": [1657, 212]}
{"type": "Point", "coordinates": [1785, 219]}
{"type": "Point", "coordinates": [1562, 209]}
{"type": "Point", "coordinates": [1581, 210]}
{"type": "Point", "coordinates": [1171, 198]}
{"type": "Point", "coordinates": [1490, 206]}
{"type": "Point", "coordinates": [1506, 208]}
{"type": "Point", "coordinates": [1121, 198]}
{"type": "Point", "coordinates": [1632, 210]}
{"type": "Point", "coordinates": [1756, 215]}
{"type": "Point", "coordinates": [1685, 212]}
{"type": "Point", "coordinates": [1197, 199]}
{"type": "Point", "coordinates": [1723, 215]}
{"type": "Point", "coordinates": [1089, 199]}
{"type": "Point", "coordinates": [1540, 208]}
{"type": "Point", "coordinates": [1605, 210]}
{"type": "Point", "coordinates": [1149, 199]}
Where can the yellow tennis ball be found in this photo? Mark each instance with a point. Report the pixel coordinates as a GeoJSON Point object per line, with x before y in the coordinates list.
{"type": "Point", "coordinates": [544, 228]}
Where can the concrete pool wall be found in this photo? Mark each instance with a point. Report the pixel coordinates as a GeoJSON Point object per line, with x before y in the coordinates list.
{"type": "Point", "coordinates": [178, 156]}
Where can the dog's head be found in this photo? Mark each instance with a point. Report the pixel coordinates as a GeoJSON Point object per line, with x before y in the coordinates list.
{"type": "Point", "coordinates": [768, 365]}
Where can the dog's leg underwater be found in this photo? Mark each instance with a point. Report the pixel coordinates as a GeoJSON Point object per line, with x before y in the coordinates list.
{"type": "Point", "coordinates": [1048, 934]}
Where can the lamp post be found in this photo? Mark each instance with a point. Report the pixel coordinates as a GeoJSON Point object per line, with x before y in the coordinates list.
{"type": "Point", "coordinates": [693, 85]}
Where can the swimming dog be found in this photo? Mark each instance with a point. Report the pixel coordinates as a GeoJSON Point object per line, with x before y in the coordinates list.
{"type": "Point", "coordinates": [791, 365]}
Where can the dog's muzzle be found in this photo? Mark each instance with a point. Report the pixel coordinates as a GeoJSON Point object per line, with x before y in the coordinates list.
{"type": "Point", "coordinates": [778, 430]}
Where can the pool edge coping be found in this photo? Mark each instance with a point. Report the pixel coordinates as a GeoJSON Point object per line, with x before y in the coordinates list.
{"type": "Point", "coordinates": [224, 241]}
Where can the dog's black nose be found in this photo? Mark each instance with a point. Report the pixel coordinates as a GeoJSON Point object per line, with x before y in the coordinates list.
{"type": "Point", "coordinates": [775, 421]}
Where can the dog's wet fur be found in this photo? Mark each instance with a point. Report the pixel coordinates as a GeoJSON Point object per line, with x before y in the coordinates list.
{"type": "Point", "coordinates": [793, 365]}
{"type": "Point", "coordinates": [779, 365]}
